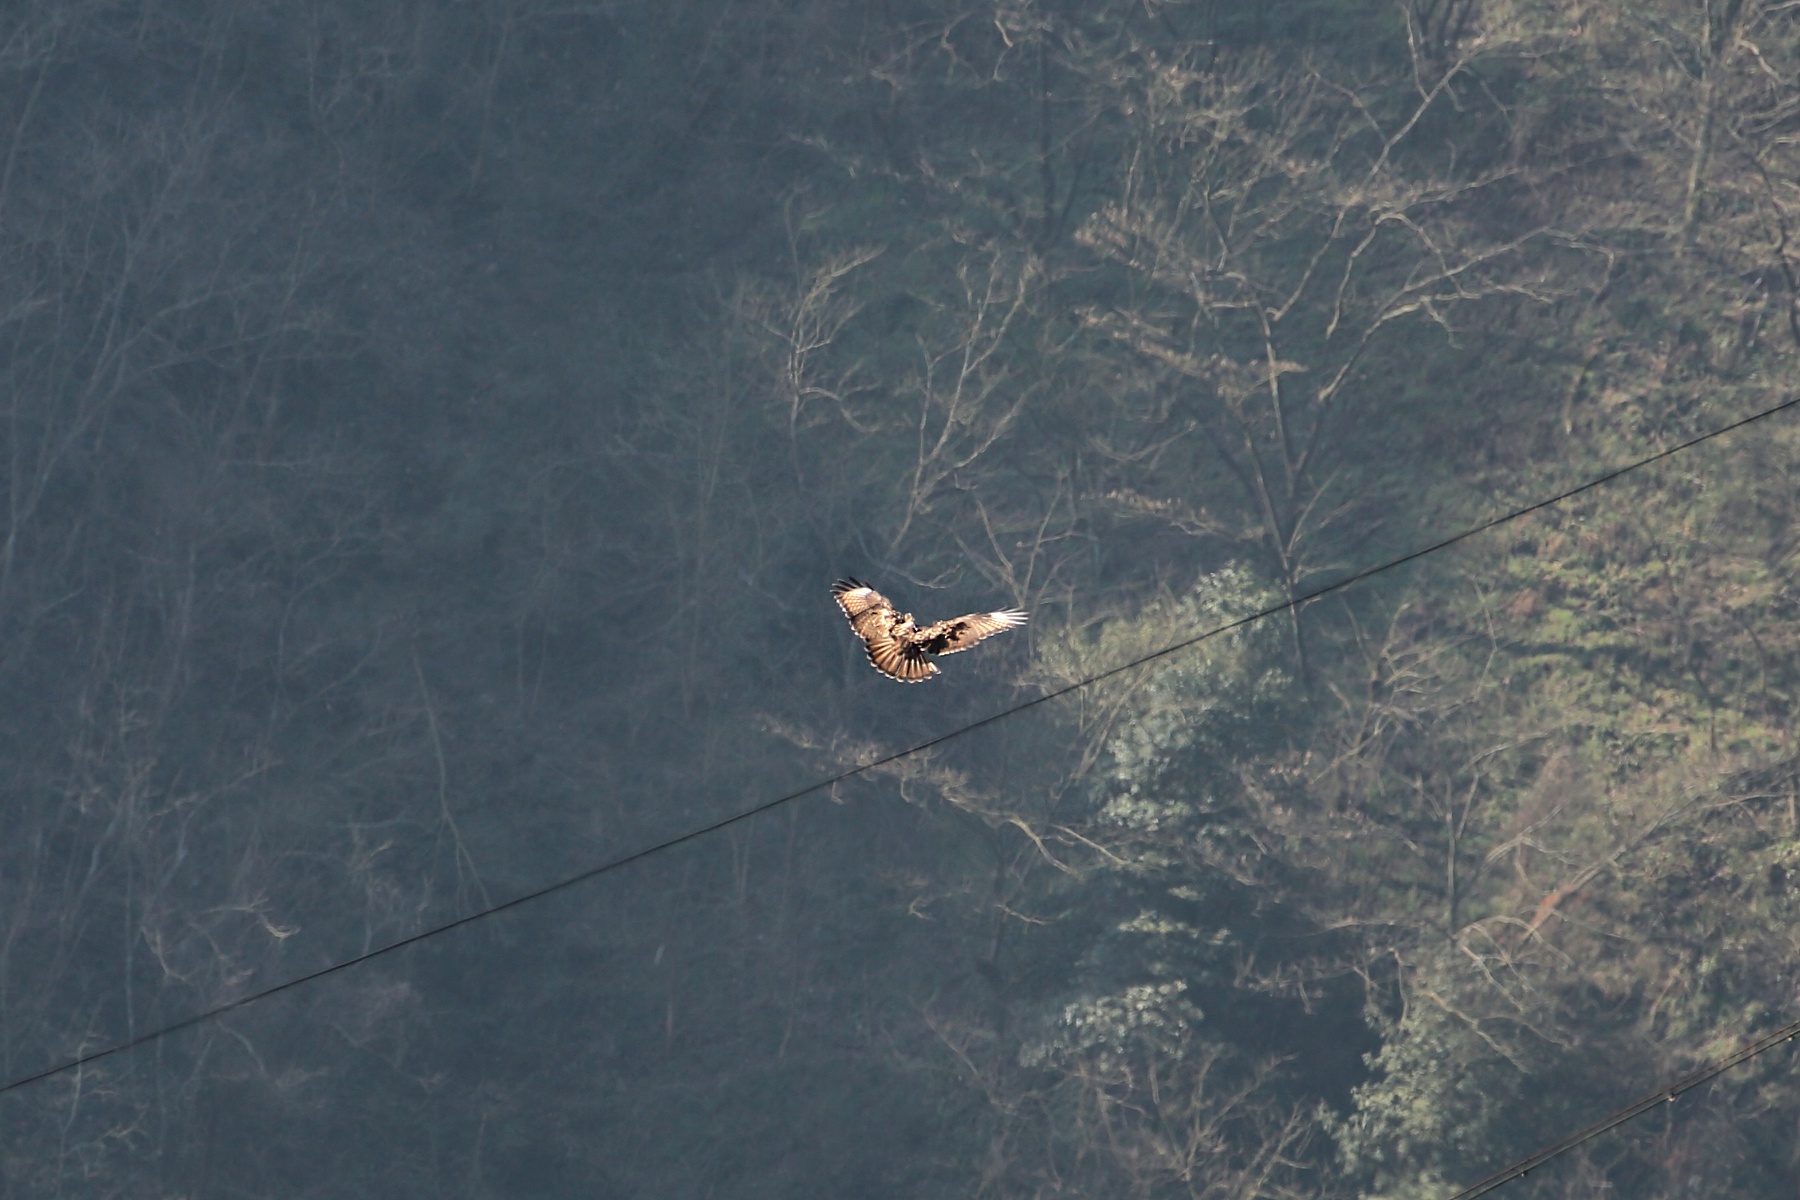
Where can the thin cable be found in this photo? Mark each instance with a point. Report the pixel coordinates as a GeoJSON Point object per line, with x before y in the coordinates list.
{"type": "Point", "coordinates": [1656, 1099]}
{"type": "Point", "coordinates": [917, 748]}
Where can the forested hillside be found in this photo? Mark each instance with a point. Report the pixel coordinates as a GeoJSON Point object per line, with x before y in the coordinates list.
{"type": "Point", "coordinates": [431, 429]}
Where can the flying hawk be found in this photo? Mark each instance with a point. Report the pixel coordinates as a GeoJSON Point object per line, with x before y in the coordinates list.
{"type": "Point", "coordinates": [897, 646]}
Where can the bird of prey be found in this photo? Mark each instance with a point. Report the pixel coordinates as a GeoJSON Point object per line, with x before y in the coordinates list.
{"type": "Point", "coordinates": [899, 647]}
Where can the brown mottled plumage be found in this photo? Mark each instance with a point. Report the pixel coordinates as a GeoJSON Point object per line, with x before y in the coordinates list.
{"type": "Point", "coordinates": [901, 649]}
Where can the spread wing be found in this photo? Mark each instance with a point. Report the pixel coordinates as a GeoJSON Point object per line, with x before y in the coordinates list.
{"type": "Point", "coordinates": [959, 633]}
{"type": "Point", "coordinates": [892, 650]}
{"type": "Point", "coordinates": [867, 610]}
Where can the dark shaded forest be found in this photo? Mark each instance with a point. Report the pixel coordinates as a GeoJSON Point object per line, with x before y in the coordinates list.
{"type": "Point", "coordinates": [430, 430]}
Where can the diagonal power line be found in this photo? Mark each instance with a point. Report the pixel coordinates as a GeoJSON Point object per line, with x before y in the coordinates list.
{"type": "Point", "coordinates": [1637, 1108]}
{"type": "Point", "coordinates": [758, 809]}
